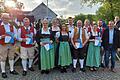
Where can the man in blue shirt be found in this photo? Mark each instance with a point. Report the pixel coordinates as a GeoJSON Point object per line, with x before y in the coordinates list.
{"type": "Point", "coordinates": [110, 42]}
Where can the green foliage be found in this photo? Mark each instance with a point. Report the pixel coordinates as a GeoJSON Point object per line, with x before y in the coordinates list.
{"type": "Point", "coordinates": [108, 10]}
{"type": "Point", "coordinates": [82, 17]}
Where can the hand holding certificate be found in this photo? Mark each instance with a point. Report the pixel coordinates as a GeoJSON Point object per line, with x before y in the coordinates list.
{"type": "Point", "coordinates": [48, 46]}
{"type": "Point", "coordinates": [97, 41]}
{"type": "Point", "coordinates": [10, 38]}
{"type": "Point", "coordinates": [10, 34]}
{"type": "Point", "coordinates": [29, 35]}
{"type": "Point", "coordinates": [78, 44]}
{"type": "Point", "coordinates": [7, 39]}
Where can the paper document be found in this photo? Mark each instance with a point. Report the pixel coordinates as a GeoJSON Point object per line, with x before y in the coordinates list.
{"type": "Point", "coordinates": [97, 41]}
{"type": "Point", "coordinates": [48, 46]}
{"type": "Point", "coordinates": [29, 41]}
{"type": "Point", "coordinates": [78, 45]}
{"type": "Point", "coordinates": [7, 39]}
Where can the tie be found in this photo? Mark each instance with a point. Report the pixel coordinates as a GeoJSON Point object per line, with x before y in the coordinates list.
{"type": "Point", "coordinates": [79, 33]}
{"type": "Point", "coordinates": [27, 30]}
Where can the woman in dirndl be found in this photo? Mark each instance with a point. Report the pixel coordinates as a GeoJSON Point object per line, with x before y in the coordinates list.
{"type": "Point", "coordinates": [54, 29]}
{"type": "Point", "coordinates": [65, 58]}
{"type": "Point", "coordinates": [46, 49]}
{"type": "Point", "coordinates": [93, 54]}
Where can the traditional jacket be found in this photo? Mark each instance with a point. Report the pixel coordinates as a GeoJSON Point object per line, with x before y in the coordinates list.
{"type": "Point", "coordinates": [23, 35]}
{"type": "Point", "coordinates": [76, 35]}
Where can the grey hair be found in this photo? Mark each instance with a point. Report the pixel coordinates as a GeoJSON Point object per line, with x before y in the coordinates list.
{"type": "Point", "coordinates": [79, 21]}
{"type": "Point", "coordinates": [44, 20]}
{"type": "Point", "coordinates": [5, 14]}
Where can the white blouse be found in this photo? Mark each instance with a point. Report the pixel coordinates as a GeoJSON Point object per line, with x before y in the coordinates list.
{"type": "Point", "coordinates": [55, 29]}
{"type": "Point", "coordinates": [58, 35]}
{"type": "Point", "coordinates": [45, 32]}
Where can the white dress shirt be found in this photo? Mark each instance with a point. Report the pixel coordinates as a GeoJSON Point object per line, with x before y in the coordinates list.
{"type": "Point", "coordinates": [86, 34]}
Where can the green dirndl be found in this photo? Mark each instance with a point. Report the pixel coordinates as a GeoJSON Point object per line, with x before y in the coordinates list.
{"type": "Point", "coordinates": [65, 58]}
{"type": "Point", "coordinates": [46, 57]}
{"type": "Point", "coordinates": [93, 55]}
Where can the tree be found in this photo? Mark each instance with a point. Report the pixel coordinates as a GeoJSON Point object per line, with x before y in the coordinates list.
{"type": "Point", "coordinates": [109, 8]}
{"type": "Point", "coordinates": [82, 17]}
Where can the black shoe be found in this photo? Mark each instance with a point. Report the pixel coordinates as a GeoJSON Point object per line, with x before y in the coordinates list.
{"type": "Point", "coordinates": [14, 72]}
{"type": "Point", "coordinates": [4, 75]}
{"type": "Point", "coordinates": [31, 69]}
{"type": "Point", "coordinates": [61, 70]}
{"type": "Point", "coordinates": [102, 65]}
{"type": "Point", "coordinates": [24, 73]}
{"type": "Point", "coordinates": [91, 69]}
{"type": "Point", "coordinates": [73, 69]}
{"type": "Point", "coordinates": [43, 71]}
{"type": "Point", "coordinates": [47, 72]}
{"type": "Point", "coordinates": [95, 69]}
{"type": "Point", "coordinates": [64, 69]}
{"type": "Point", "coordinates": [82, 69]}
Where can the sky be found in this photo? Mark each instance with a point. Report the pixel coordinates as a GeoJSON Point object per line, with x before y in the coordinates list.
{"type": "Point", "coordinates": [61, 7]}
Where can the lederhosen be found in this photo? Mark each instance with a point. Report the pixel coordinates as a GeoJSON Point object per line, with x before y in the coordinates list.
{"type": "Point", "coordinates": [79, 53]}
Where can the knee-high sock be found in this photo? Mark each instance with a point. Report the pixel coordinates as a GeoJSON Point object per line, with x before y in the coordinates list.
{"type": "Point", "coordinates": [11, 63]}
{"type": "Point", "coordinates": [24, 64]}
{"type": "Point", "coordinates": [74, 63]}
{"type": "Point", "coordinates": [81, 61]}
{"type": "Point", "coordinates": [102, 59]}
{"type": "Point", "coordinates": [3, 66]}
{"type": "Point", "coordinates": [30, 63]}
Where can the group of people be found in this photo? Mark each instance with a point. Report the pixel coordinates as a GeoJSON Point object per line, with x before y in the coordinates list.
{"type": "Point", "coordinates": [59, 45]}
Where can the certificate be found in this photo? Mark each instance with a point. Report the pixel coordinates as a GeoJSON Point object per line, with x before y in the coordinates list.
{"type": "Point", "coordinates": [29, 41]}
{"type": "Point", "coordinates": [78, 45]}
{"type": "Point", "coordinates": [7, 39]}
{"type": "Point", "coordinates": [48, 46]}
{"type": "Point", "coordinates": [97, 41]}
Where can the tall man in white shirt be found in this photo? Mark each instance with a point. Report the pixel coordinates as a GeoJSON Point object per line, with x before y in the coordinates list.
{"type": "Point", "coordinates": [27, 48]}
{"type": "Point", "coordinates": [79, 39]}
{"type": "Point", "coordinates": [7, 48]}
{"type": "Point", "coordinates": [71, 30]}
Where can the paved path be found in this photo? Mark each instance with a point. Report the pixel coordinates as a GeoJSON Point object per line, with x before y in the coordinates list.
{"type": "Point", "coordinates": [56, 75]}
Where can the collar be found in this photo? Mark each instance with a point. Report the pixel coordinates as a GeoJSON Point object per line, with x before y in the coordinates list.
{"type": "Point", "coordinates": [5, 24]}
{"type": "Point", "coordinates": [71, 26]}
{"type": "Point", "coordinates": [86, 27]}
{"type": "Point", "coordinates": [79, 28]}
{"type": "Point", "coordinates": [111, 29]}
{"type": "Point", "coordinates": [100, 27]}
{"type": "Point", "coordinates": [28, 27]}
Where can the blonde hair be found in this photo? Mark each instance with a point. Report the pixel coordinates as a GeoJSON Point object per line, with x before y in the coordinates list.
{"type": "Point", "coordinates": [64, 25]}
{"type": "Point", "coordinates": [86, 20]}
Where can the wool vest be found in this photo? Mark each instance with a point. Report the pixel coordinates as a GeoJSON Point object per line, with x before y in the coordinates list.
{"type": "Point", "coordinates": [23, 35]}
{"type": "Point", "coordinates": [3, 32]}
